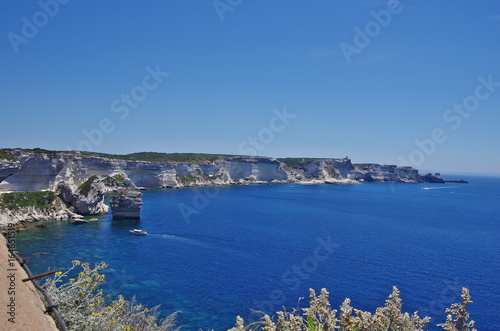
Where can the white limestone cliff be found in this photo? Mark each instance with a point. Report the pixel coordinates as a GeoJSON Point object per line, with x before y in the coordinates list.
{"type": "Point", "coordinates": [44, 171]}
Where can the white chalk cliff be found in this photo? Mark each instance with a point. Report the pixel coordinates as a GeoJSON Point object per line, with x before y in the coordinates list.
{"type": "Point", "coordinates": [44, 171]}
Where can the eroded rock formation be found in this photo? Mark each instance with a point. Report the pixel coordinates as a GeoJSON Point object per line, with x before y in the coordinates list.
{"type": "Point", "coordinates": [126, 204]}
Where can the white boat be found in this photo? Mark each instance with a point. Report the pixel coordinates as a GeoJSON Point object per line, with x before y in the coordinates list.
{"type": "Point", "coordinates": [137, 232]}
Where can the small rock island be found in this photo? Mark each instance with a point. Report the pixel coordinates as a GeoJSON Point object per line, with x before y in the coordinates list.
{"type": "Point", "coordinates": [126, 204]}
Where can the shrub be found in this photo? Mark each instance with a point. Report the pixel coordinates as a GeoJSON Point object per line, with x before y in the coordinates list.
{"type": "Point", "coordinates": [115, 181]}
{"type": "Point", "coordinates": [320, 317]}
{"type": "Point", "coordinates": [83, 306]}
{"type": "Point", "coordinates": [186, 179]}
{"type": "Point", "coordinates": [37, 199]}
{"type": "Point", "coordinates": [458, 317]}
{"type": "Point", "coordinates": [6, 154]}
{"type": "Point", "coordinates": [84, 189]}
{"type": "Point", "coordinates": [41, 151]}
{"type": "Point", "coordinates": [119, 178]}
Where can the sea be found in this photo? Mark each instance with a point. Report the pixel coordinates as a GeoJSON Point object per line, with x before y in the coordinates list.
{"type": "Point", "coordinates": [215, 253]}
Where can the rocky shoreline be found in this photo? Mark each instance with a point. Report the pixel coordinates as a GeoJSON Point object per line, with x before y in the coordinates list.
{"type": "Point", "coordinates": [80, 181]}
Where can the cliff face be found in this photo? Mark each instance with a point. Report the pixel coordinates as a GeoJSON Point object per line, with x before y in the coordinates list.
{"type": "Point", "coordinates": [385, 173]}
{"type": "Point", "coordinates": [44, 171]}
{"type": "Point", "coordinates": [327, 169]}
{"type": "Point", "coordinates": [8, 168]}
{"type": "Point", "coordinates": [372, 172]}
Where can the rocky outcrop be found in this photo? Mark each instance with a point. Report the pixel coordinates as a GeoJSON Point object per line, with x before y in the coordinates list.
{"type": "Point", "coordinates": [33, 214]}
{"type": "Point", "coordinates": [44, 171]}
{"type": "Point", "coordinates": [13, 208]}
{"type": "Point", "coordinates": [126, 204]}
{"type": "Point", "coordinates": [372, 172]}
{"type": "Point", "coordinates": [430, 178]}
{"type": "Point", "coordinates": [66, 203]}
{"type": "Point", "coordinates": [88, 198]}
{"type": "Point", "coordinates": [457, 181]}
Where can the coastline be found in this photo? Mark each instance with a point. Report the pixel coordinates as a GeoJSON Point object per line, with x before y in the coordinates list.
{"type": "Point", "coordinates": [49, 185]}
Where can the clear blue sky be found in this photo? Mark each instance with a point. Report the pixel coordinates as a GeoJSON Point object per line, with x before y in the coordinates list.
{"type": "Point", "coordinates": [227, 75]}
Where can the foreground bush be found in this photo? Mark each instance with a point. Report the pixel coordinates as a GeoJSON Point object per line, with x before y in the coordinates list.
{"type": "Point", "coordinates": [83, 306]}
{"type": "Point", "coordinates": [320, 317]}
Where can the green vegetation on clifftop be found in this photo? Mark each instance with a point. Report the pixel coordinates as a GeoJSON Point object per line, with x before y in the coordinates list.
{"type": "Point", "coordinates": [161, 157]}
{"type": "Point", "coordinates": [186, 179]}
{"type": "Point", "coordinates": [298, 161]}
{"type": "Point", "coordinates": [5, 153]}
{"type": "Point", "coordinates": [84, 189]}
{"type": "Point", "coordinates": [115, 181]}
{"type": "Point", "coordinates": [39, 199]}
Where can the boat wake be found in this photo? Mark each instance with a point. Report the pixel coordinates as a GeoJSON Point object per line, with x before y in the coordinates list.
{"type": "Point", "coordinates": [437, 188]}
{"type": "Point", "coordinates": [178, 238]}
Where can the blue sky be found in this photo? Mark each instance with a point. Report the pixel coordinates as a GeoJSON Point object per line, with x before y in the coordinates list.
{"type": "Point", "coordinates": [277, 71]}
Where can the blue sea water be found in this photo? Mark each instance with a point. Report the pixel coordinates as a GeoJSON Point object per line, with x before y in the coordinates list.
{"type": "Point", "coordinates": [215, 253]}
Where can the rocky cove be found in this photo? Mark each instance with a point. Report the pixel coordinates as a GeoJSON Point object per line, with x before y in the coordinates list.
{"type": "Point", "coordinates": [78, 181]}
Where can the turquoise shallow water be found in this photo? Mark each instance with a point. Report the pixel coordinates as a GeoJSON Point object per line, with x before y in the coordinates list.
{"type": "Point", "coordinates": [261, 247]}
